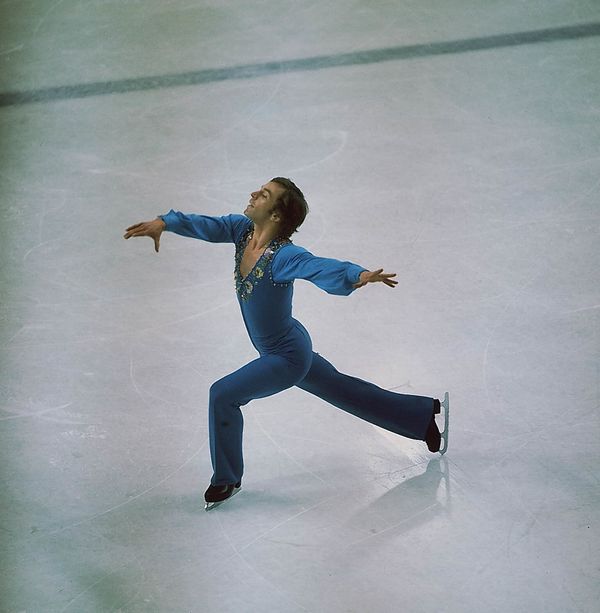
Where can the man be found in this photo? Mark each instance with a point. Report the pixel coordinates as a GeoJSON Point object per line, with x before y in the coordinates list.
{"type": "Point", "coordinates": [266, 264]}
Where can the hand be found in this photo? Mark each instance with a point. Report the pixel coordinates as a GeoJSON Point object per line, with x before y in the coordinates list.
{"type": "Point", "coordinates": [368, 276]}
{"type": "Point", "coordinates": [153, 229]}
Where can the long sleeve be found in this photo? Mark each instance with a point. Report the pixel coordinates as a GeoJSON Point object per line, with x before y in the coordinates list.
{"type": "Point", "coordinates": [333, 276]}
{"type": "Point", "coordinates": [225, 229]}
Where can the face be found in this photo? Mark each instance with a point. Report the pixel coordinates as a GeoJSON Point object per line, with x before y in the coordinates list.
{"type": "Point", "coordinates": [262, 201]}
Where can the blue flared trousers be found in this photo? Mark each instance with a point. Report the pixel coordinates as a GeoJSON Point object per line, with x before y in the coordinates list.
{"type": "Point", "coordinates": [271, 373]}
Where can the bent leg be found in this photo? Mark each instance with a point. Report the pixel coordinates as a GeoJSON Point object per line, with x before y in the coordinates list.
{"type": "Point", "coordinates": [260, 378]}
{"type": "Point", "coordinates": [399, 413]}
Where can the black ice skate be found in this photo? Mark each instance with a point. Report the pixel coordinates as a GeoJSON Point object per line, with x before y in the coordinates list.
{"type": "Point", "coordinates": [433, 437]}
{"type": "Point", "coordinates": [218, 494]}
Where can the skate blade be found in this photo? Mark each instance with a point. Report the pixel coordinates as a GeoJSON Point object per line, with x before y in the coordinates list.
{"type": "Point", "coordinates": [446, 405]}
{"type": "Point", "coordinates": [211, 505]}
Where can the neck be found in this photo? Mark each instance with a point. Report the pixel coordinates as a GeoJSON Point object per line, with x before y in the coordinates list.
{"type": "Point", "coordinates": [262, 236]}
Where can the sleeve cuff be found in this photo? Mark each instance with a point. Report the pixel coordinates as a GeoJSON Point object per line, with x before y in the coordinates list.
{"type": "Point", "coordinates": [168, 217]}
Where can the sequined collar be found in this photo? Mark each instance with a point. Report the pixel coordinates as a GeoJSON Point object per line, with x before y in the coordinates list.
{"type": "Point", "coordinates": [244, 286]}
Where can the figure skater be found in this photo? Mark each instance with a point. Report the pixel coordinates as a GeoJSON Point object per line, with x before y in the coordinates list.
{"type": "Point", "coordinates": [266, 264]}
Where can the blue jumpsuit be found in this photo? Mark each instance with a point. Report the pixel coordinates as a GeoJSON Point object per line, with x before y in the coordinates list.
{"type": "Point", "coordinates": [284, 346]}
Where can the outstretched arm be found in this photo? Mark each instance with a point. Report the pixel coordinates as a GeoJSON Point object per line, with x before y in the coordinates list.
{"type": "Point", "coordinates": [374, 276]}
{"type": "Point", "coordinates": [223, 229]}
{"type": "Point", "coordinates": [334, 276]}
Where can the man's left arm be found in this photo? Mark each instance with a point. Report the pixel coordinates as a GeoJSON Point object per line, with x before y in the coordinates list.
{"type": "Point", "coordinates": [333, 276]}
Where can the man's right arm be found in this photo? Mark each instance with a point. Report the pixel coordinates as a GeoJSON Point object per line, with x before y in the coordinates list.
{"type": "Point", "coordinates": [225, 229]}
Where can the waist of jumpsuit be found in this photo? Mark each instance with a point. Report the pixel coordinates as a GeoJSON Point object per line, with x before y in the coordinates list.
{"type": "Point", "coordinates": [274, 330]}
{"type": "Point", "coordinates": [293, 343]}
{"type": "Point", "coordinates": [267, 313]}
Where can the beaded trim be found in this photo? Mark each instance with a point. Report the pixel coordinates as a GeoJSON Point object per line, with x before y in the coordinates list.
{"type": "Point", "coordinates": [244, 286]}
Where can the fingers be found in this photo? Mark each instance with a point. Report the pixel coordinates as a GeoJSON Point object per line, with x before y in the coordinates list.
{"type": "Point", "coordinates": [374, 276]}
{"type": "Point", "coordinates": [135, 225]}
{"type": "Point", "coordinates": [135, 233]}
{"type": "Point", "coordinates": [138, 229]}
{"type": "Point", "coordinates": [390, 282]}
{"type": "Point", "coordinates": [379, 275]}
{"type": "Point", "coordinates": [133, 230]}
{"type": "Point", "coordinates": [156, 243]}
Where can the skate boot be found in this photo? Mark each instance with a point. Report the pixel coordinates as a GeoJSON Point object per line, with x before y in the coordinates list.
{"type": "Point", "coordinates": [218, 494]}
{"type": "Point", "coordinates": [433, 437]}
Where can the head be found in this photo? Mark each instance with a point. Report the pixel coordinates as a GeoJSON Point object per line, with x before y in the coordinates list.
{"type": "Point", "coordinates": [280, 202]}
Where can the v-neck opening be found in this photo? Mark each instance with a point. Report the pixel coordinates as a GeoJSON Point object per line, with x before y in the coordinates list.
{"type": "Point", "coordinates": [262, 255]}
{"type": "Point", "coordinates": [245, 285]}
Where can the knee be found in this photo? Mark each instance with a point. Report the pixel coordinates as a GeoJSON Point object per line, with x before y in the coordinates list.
{"type": "Point", "coordinates": [217, 394]}
{"type": "Point", "coordinates": [219, 405]}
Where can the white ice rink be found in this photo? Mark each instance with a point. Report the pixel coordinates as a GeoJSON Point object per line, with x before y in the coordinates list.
{"type": "Point", "coordinates": [453, 142]}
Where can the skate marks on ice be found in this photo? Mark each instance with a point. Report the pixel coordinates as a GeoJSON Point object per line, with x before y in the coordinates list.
{"type": "Point", "coordinates": [281, 450]}
{"type": "Point", "coordinates": [16, 414]}
{"type": "Point", "coordinates": [129, 500]}
{"type": "Point", "coordinates": [239, 552]}
{"type": "Point", "coordinates": [152, 487]}
{"type": "Point", "coordinates": [403, 506]}
{"type": "Point", "coordinates": [109, 584]}
{"type": "Point", "coordinates": [413, 501]}
{"type": "Point", "coordinates": [336, 526]}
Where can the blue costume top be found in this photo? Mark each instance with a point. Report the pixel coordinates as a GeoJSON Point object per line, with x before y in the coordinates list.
{"type": "Point", "coordinates": [265, 294]}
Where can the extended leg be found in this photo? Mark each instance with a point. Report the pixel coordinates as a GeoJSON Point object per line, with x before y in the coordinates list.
{"type": "Point", "coordinates": [402, 414]}
{"type": "Point", "coordinates": [260, 378]}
